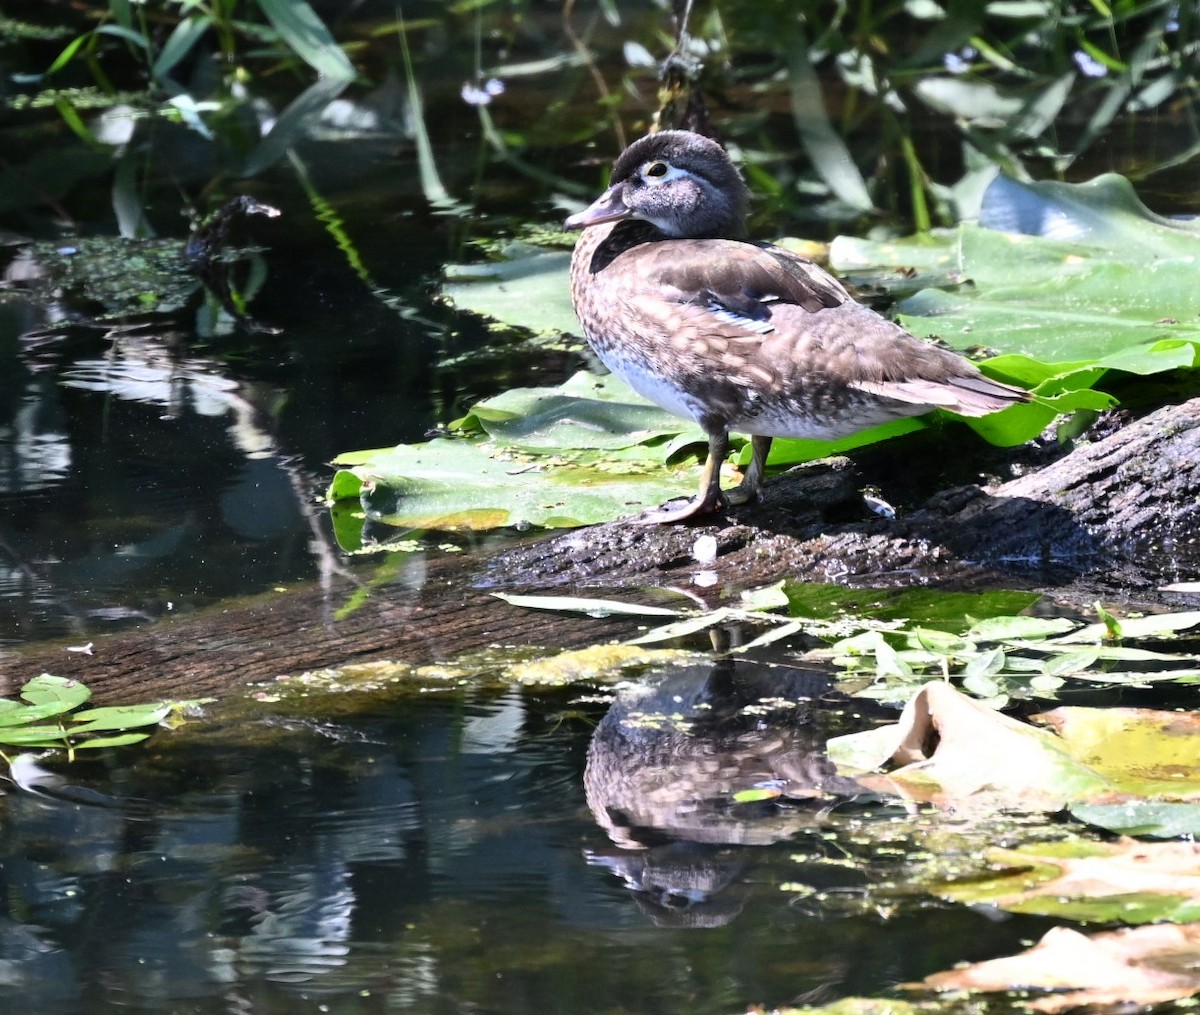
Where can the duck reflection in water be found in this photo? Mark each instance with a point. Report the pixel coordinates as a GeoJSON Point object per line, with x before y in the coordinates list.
{"type": "Point", "coordinates": [667, 762]}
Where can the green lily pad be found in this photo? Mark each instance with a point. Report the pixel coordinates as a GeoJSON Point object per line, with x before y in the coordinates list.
{"type": "Point", "coordinates": [585, 412]}
{"type": "Point", "coordinates": [453, 483]}
{"type": "Point", "coordinates": [528, 289]}
{"type": "Point", "coordinates": [1157, 819]}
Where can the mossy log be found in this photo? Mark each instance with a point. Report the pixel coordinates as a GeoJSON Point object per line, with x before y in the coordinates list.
{"type": "Point", "coordinates": [1120, 514]}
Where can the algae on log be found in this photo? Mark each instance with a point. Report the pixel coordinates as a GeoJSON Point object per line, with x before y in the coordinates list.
{"type": "Point", "coordinates": [1124, 509]}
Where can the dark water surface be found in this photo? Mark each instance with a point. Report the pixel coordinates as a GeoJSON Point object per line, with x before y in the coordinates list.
{"type": "Point", "coordinates": [145, 468]}
{"type": "Point", "coordinates": [427, 854]}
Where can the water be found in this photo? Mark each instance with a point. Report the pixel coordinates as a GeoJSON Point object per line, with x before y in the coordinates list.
{"type": "Point", "coordinates": [148, 470]}
{"type": "Point", "coordinates": [427, 853]}
{"type": "Point", "coordinates": [411, 852]}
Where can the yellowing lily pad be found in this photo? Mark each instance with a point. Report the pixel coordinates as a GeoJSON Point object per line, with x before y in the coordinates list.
{"type": "Point", "coordinates": [952, 749]}
{"type": "Point", "coordinates": [1127, 881]}
{"type": "Point", "coordinates": [1134, 966]}
{"type": "Point", "coordinates": [979, 753]}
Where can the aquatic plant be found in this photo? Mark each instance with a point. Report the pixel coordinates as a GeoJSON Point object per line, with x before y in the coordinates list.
{"type": "Point", "coordinates": [49, 715]}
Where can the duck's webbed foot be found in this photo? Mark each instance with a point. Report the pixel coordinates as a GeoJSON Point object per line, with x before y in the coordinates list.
{"type": "Point", "coordinates": [749, 490]}
{"type": "Point", "coordinates": [708, 499]}
{"type": "Point", "coordinates": [677, 510]}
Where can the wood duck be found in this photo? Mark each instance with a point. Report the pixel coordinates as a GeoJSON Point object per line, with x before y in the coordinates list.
{"type": "Point", "coordinates": [739, 335]}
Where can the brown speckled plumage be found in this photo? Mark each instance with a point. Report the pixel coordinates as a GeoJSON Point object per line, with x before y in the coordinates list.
{"type": "Point", "coordinates": [739, 335]}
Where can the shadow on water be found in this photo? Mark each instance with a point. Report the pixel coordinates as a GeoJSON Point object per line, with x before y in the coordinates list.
{"type": "Point", "coordinates": [439, 852]}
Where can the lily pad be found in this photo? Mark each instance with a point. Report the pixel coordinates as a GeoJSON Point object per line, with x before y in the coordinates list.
{"type": "Point", "coordinates": [528, 289]}
{"type": "Point", "coordinates": [1071, 277]}
{"type": "Point", "coordinates": [1093, 882]}
{"type": "Point", "coordinates": [1132, 966]}
{"type": "Point", "coordinates": [585, 412]}
{"type": "Point", "coordinates": [1106, 756]}
{"type": "Point", "coordinates": [453, 483]}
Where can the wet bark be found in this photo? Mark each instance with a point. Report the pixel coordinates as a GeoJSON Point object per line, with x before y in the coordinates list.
{"type": "Point", "coordinates": [1127, 502]}
{"type": "Point", "coordinates": [1118, 514]}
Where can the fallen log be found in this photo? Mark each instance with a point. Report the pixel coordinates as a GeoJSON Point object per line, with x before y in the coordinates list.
{"type": "Point", "coordinates": [1129, 501]}
{"type": "Point", "coordinates": [1119, 514]}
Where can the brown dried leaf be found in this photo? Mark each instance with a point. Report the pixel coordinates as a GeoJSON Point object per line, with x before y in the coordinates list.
{"type": "Point", "coordinates": [1141, 965]}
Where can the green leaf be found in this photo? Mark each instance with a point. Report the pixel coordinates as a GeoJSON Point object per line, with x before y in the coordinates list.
{"type": "Point", "coordinates": [475, 484]}
{"type": "Point", "coordinates": [585, 412]}
{"type": "Point", "coordinates": [179, 44]}
{"type": "Point", "coordinates": [49, 696]}
{"type": "Point", "coordinates": [1024, 628]}
{"type": "Point", "coordinates": [118, 717]}
{"type": "Point", "coordinates": [68, 54]}
{"type": "Point", "coordinates": [306, 35]}
{"type": "Point", "coordinates": [933, 608]}
{"type": "Point", "coordinates": [528, 289]}
{"type": "Point", "coordinates": [123, 12]}
{"type": "Point", "coordinates": [592, 607]}
{"type": "Point", "coordinates": [291, 126]}
{"type": "Point", "coordinates": [1152, 626]}
{"type": "Point", "coordinates": [73, 120]}
{"type": "Point", "coordinates": [793, 451]}
{"type": "Point", "coordinates": [129, 34]}
{"type": "Point", "coordinates": [822, 142]}
{"type": "Point", "coordinates": [756, 795]}
{"type": "Point", "coordinates": [119, 740]}
{"type": "Point", "coordinates": [1145, 818]}
{"type": "Point", "coordinates": [33, 736]}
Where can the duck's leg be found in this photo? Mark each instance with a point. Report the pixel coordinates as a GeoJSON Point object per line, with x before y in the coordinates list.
{"type": "Point", "coordinates": [709, 497]}
{"type": "Point", "coordinates": [750, 488]}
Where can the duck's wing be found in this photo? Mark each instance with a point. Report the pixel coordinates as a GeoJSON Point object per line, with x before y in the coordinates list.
{"type": "Point", "coordinates": [710, 307]}
{"type": "Point", "coordinates": [742, 279]}
{"type": "Point", "coordinates": [810, 325]}
{"type": "Point", "coordinates": [771, 322]}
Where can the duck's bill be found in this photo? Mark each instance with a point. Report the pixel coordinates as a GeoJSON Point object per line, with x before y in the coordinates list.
{"type": "Point", "coordinates": [608, 207]}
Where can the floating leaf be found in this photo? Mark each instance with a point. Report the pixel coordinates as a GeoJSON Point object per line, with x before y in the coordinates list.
{"type": "Point", "coordinates": [118, 717]}
{"type": "Point", "coordinates": [1129, 881]}
{"type": "Point", "coordinates": [979, 753]}
{"type": "Point", "coordinates": [757, 795]}
{"type": "Point", "coordinates": [527, 289]}
{"type": "Point", "coordinates": [1133, 966]}
{"type": "Point", "coordinates": [1140, 752]}
{"type": "Point", "coordinates": [592, 607]}
{"type": "Point", "coordinates": [48, 696]}
{"type": "Point", "coordinates": [1099, 755]}
{"type": "Point", "coordinates": [118, 740]}
{"type": "Point", "coordinates": [585, 412]}
{"type": "Point", "coordinates": [453, 483]}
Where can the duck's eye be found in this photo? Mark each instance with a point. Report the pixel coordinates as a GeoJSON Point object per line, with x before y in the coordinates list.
{"type": "Point", "coordinates": [655, 170]}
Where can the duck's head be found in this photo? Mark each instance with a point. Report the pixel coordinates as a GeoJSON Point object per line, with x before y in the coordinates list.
{"type": "Point", "coordinates": [682, 183]}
